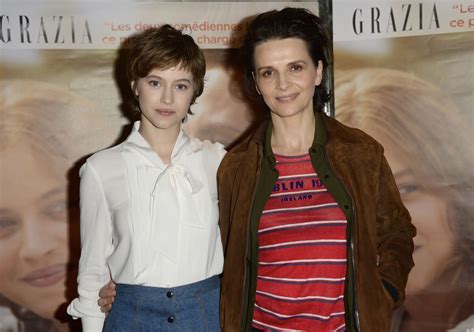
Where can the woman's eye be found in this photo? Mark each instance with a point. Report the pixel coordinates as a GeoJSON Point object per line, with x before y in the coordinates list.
{"type": "Point", "coordinates": [267, 73]}
{"type": "Point", "coordinates": [8, 226]}
{"type": "Point", "coordinates": [181, 87]}
{"type": "Point", "coordinates": [57, 210]}
{"type": "Point", "coordinates": [296, 68]}
{"type": "Point", "coordinates": [408, 188]}
{"type": "Point", "coordinates": [154, 83]}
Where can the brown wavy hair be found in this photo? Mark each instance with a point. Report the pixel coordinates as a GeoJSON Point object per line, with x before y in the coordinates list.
{"type": "Point", "coordinates": [163, 48]}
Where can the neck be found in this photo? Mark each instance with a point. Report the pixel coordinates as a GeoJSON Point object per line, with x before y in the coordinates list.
{"type": "Point", "coordinates": [161, 141]}
{"type": "Point", "coordinates": [449, 297]}
{"type": "Point", "coordinates": [293, 135]}
{"type": "Point", "coordinates": [435, 316]}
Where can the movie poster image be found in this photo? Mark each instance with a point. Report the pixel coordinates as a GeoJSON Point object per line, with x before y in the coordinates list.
{"type": "Point", "coordinates": [404, 74]}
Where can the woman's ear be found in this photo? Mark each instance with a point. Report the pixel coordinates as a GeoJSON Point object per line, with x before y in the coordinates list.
{"type": "Point", "coordinates": [134, 89]}
{"type": "Point", "coordinates": [319, 73]}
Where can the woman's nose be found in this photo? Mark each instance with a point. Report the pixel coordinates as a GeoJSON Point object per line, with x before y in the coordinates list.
{"type": "Point", "coordinates": [37, 240]}
{"type": "Point", "coordinates": [282, 82]}
{"type": "Point", "coordinates": [167, 96]}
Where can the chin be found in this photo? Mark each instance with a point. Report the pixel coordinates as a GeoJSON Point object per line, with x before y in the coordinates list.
{"type": "Point", "coordinates": [417, 283]}
{"type": "Point", "coordinates": [47, 305]}
{"type": "Point", "coordinates": [412, 289]}
{"type": "Point", "coordinates": [48, 310]}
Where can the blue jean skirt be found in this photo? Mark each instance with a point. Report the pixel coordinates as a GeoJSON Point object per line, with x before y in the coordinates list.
{"type": "Point", "coordinates": [193, 307]}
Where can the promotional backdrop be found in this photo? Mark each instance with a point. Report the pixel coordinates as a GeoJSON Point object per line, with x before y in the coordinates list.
{"type": "Point", "coordinates": [403, 73]}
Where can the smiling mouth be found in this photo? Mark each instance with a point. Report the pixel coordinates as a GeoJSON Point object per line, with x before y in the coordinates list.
{"type": "Point", "coordinates": [287, 98]}
{"type": "Point", "coordinates": [46, 277]}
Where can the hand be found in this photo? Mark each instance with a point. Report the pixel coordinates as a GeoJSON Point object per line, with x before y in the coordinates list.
{"type": "Point", "coordinates": [107, 297]}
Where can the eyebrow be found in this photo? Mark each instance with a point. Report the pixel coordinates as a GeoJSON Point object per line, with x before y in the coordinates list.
{"type": "Point", "coordinates": [44, 197]}
{"type": "Point", "coordinates": [178, 80]}
{"type": "Point", "coordinates": [403, 172]}
{"type": "Point", "coordinates": [297, 62]}
{"type": "Point", "coordinates": [5, 211]}
{"type": "Point", "coordinates": [288, 64]}
{"type": "Point", "coordinates": [52, 193]}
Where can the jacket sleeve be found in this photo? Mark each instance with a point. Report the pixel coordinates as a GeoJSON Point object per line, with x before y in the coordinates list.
{"type": "Point", "coordinates": [96, 242]}
{"type": "Point", "coordinates": [395, 234]}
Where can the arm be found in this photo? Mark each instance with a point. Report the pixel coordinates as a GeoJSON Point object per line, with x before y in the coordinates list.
{"type": "Point", "coordinates": [96, 244]}
{"type": "Point", "coordinates": [395, 234]}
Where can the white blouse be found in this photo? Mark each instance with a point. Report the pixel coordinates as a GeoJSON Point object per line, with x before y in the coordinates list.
{"type": "Point", "coordinates": [147, 223]}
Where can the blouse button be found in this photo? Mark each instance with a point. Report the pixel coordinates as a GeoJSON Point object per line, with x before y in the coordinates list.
{"type": "Point", "coordinates": [170, 294]}
{"type": "Point", "coordinates": [170, 319]}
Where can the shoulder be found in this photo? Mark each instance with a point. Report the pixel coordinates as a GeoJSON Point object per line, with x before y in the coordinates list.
{"type": "Point", "coordinates": [249, 146]}
{"type": "Point", "coordinates": [198, 144]}
{"type": "Point", "coordinates": [245, 153]}
{"type": "Point", "coordinates": [208, 149]}
{"type": "Point", "coordinates": [104, 160]}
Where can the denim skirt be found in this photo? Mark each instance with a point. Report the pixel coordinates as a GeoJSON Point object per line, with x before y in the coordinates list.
{"type": "Point", "coordinates": [193, 307]}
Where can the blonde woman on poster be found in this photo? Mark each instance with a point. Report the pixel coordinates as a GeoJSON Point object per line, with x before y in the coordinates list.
{"type": "Point", "coordinates": [149, 214]}
{"type": "Point", "coordinates": [429, 146]}
{"type": "Point", "coordinates": [45, 129]}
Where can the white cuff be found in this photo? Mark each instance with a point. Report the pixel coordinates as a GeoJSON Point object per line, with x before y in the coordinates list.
{"type": "Point", "coordinates": [92, 324]}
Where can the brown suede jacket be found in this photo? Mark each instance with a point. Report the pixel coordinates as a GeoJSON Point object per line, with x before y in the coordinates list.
{"type": "Point", "coordinates": [352, 166]}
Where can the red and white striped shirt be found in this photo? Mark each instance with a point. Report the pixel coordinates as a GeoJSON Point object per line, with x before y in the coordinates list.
{"type": "Point", "coordinates": [302, 253]}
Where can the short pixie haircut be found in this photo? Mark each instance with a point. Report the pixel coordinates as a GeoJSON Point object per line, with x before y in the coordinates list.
{"type": "Point", "coordinates": [288, 23]}
{"type": "Point", "coordinates": [163, 48]}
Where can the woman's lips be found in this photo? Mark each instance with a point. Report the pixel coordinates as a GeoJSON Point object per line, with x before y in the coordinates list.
{"type": "Point", "coordinates": [287, 98]}
{"type": "Point", "coordinates": [165, 112]}
{"type": "Point", "coordinates": [46, 277]}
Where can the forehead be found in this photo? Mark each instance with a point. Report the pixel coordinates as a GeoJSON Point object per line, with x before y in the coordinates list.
{"type": "Point", "coordinates": [175, 72]}
{"type": "Point", "coordinates": [277, 51]}
{"type": "Point", "coordinates": [40, 173]}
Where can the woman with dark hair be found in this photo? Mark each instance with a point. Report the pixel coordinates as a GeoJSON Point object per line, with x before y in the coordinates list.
{"type": "Point", "coordinates": [315, 235]}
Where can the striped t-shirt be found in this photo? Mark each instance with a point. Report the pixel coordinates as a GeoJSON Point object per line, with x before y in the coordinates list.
{"type": "Point", "coordinates": [302, 253]}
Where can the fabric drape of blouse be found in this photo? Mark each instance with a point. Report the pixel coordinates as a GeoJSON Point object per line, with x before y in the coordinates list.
{"type": "Point", "coordinates": [147, 223]}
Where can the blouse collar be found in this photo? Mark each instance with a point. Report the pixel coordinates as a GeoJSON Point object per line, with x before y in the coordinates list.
{"type": "Point", "coordinates": [138, 143]}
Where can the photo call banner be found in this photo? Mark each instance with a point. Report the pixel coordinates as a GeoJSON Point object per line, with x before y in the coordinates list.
{"type": "Point", "coordinates": [403, 73]}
